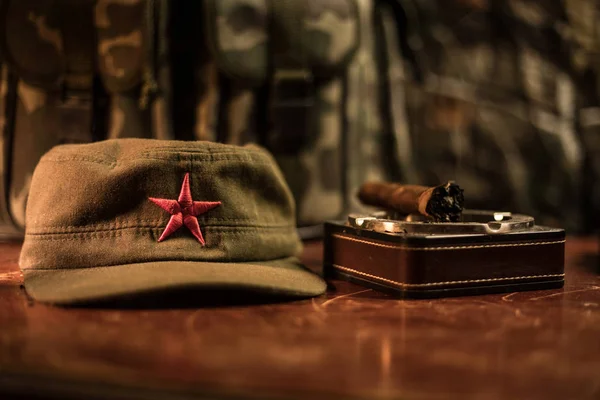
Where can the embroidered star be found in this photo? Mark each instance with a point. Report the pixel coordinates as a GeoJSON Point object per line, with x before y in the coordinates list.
{"type": "Point", "coordinates": [184, 211]}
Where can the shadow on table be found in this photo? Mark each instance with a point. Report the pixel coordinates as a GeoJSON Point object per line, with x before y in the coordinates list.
{"type": "Point", "coordinates": [188, 298]}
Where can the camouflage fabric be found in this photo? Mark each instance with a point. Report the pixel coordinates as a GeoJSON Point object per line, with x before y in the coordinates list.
{"type": "Point", "coordinates": [30, 33]}
{"type": "Point", "coordinates": [501, 96]}
{"type": "Point", "coordinates": [295, 55]}
{"type": "Point", "coordinates": [52, 47]}
{"type": "Point", "coordinates": [237, 32]}
{"type": "Point", "coordinates": [366, 143]}
{"type": "Point", "coordinates": [307, 113]}
{"type": "Point", "coordinates": [52, 58]}
{"type": "Point", "coordinates": [493, 95]}
{"type": "Point", "coordinates": [131, 39]}
{"type": "Point", "coordinates": [583, 18]}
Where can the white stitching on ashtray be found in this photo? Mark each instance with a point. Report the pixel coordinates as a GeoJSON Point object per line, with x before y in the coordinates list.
{"type": "Point", "coordinates": [484, 246]}
{"type": "Point", "coordinates": [447, 282]}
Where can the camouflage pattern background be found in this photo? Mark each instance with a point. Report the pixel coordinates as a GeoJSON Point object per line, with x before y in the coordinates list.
{"type": "Point", "coordinates": [52, 59]}
{"type": "Point", "coordinates": [501, 96]}
{"type": "Point", "coordinates": [495, 93]}
{"type": "Point", "coordinates": [132, 53]}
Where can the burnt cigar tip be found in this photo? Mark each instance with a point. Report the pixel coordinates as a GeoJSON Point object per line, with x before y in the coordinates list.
{"type": "Point", "coordinates": [446, 202]}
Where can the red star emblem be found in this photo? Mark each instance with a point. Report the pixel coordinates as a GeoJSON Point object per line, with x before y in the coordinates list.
{"type": "Point", "coordinates": [184, 211]}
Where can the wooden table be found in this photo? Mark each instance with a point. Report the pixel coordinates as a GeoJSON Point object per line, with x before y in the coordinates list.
{"type": "Point", "coordinates": [350, 343]}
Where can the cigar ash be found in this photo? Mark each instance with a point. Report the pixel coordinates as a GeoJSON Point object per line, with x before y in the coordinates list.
{"type": "Point", "coordinates": [446, 203]}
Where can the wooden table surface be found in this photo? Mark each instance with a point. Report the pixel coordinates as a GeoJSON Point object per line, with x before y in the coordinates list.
{"type": "Point", "coordinates": [350, 343]}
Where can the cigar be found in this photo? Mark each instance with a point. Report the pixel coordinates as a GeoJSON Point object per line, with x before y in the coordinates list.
{"type": "Point", "coordinates": [443, 203]}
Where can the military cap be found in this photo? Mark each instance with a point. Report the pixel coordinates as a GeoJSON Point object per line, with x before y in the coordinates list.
{"type": "Point", "coordinates": [128, 216]}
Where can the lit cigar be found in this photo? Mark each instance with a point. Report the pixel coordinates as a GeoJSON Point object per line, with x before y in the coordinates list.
{"type": "Point", "coordinates": [443, 203]}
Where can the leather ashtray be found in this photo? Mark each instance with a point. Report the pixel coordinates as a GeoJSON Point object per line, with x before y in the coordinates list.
{"type": "Point", "coordinates": [412, 257]}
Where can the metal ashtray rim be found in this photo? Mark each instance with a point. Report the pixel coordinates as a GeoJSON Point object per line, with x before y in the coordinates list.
{"type": "Point", "coordinates": [473, 222]}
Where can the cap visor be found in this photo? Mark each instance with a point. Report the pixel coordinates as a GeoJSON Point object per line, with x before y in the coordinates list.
{"type": "Point", "coordinates": [284, 277]}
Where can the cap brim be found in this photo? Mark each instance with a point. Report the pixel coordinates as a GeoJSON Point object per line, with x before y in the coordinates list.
{"type": "Point", "coordinates": [283, 277]}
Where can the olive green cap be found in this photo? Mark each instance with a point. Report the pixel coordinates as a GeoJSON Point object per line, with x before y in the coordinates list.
{"type": "Point", "coordinates": [97, 217]}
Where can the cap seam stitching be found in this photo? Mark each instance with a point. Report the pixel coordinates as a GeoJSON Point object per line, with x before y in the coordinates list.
{"type": "Point", "coordinates": [151, 223]}
{"type": "Point", "coordinates": [207, 150]}
{"type": "Point", "coordinates": [174, 150]}
{"type": "Point", "coordinates": [118, 232]}
{"type": "Point", "coordinates": [160, 221]}
{"type": "Point", "coordinates": [115, 228]}
{"type": "Point", "coordinates": [201, 152]}
{"type": "Point", "coordinates": [192, 157]}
